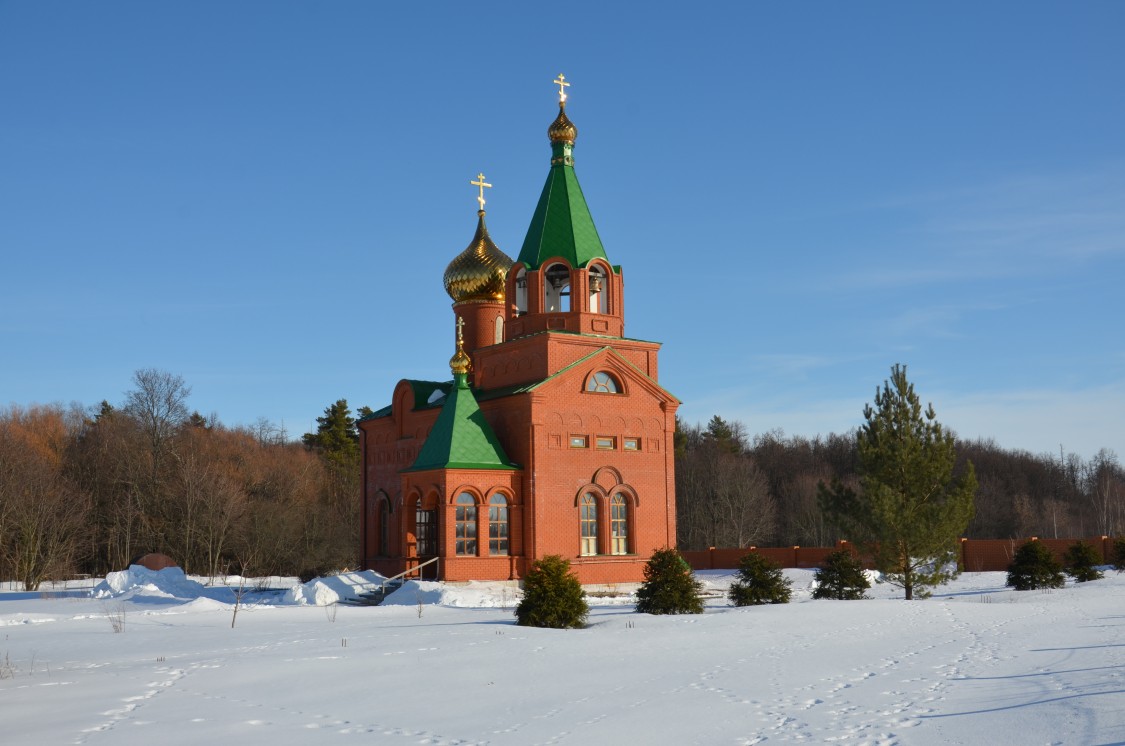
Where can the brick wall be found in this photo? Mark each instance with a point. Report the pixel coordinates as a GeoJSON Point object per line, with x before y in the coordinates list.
{"type": "Point", "coordinates": [977, 555]}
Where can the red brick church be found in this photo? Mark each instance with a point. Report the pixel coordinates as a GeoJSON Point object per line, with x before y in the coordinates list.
{"type": "Point", "coordinates": [553, 437]}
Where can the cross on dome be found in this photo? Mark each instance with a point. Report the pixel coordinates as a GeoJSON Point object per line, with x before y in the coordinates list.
{"type": "Point", "coordinates": [563, 85]}
{"type": "Point", "coordinates": [481, 184]}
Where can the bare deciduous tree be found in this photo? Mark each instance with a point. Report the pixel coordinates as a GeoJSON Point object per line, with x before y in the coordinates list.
{"type": "Point", "coordinates": [43, 529]}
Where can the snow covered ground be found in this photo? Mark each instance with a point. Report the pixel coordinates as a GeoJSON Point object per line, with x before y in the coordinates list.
{"type": "Point", "coordinates": [975, 664]}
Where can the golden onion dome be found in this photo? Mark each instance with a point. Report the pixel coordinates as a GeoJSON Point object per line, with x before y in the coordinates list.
{"type": "Point", "coordinates": [460, 363]}
{"type": "Point", "coordinates": [478, 274]}
{"type": "Point", "coordinates": [562, 129]}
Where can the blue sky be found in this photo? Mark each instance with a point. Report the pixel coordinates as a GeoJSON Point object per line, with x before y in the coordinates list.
{"type": "Point", "coordinates": [262, 197]}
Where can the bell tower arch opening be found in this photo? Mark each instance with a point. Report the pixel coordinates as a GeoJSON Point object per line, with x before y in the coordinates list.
{"type": "Point", "coordinates": [556, 288]}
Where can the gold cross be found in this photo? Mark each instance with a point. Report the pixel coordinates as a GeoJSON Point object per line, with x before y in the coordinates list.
{"type": "Point", "coordinates": [460, 325]}
{"type": "Point", "coordinates": [563, 85]}
{"type": "Point", "coordinates": [480, 183]}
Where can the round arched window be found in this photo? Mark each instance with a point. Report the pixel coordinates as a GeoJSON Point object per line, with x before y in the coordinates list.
{"type": "Point", "coordinates": [603, 383]}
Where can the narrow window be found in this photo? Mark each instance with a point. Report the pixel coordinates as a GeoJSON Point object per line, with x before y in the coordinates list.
{"type": "Point", "coordinates": [631, 444]}
{"type": "Point", "coordinates": [498, 525]}
{"type": "Point", "coordinates": [466, 518]}
{"type": "Point", "coordinates": [498, 334]}
{"type": "Point", "coordinates": [602, 383]}
{"type": "Point", "coordinates": [579, 441]}
{"type": "Point", "coordinates": [521, 292]}
{"type": "Point", "coordinates": [619, 525]}
{"type": "Point", "coordinates": [606, 443]}
{"type": "Point", "coordinates": [588, 517]}
{"type": "Point", "coordinates": [384, 527]}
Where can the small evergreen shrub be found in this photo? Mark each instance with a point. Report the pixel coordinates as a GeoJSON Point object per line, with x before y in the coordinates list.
{"type": "Point", "coordinates": [670, 586]}
{"type": "Point", "coordinates": [841, 577]}
{"type": "Point", "coordinates": [759, 582]}
{"type": "Point", "coordinates": [552, 596]}
{"type": "Point", "coordinates": [1119, 554]}
{"type": "Point", "coordinates": [1081, 559]}
{"type": "Point", "coordinates": [1034, 567]}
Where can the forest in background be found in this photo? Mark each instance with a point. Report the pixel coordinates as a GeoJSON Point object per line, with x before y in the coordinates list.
{"type": "Point", "coordinates": [735, 490]}
{"type": "Point", "coordinates": [87, 490]}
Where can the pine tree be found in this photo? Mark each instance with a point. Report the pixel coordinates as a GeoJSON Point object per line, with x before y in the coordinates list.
{"type": "Point", "coordinates": [759, 582]}
{"type": "Point", "coordinates": [910, 510]}
{"type": "Point", "coordinates": [1034, 567]}
{"type": "Point", "coordinates": [841, 577]}
{"type": "Point", "coordinates": [670, 586]}
{"type": "Point", "coordinates": [1080, 561]}
{"type": "Point", "coordinates": [552, 596]}
{"type": "Point", "coordinates": [1119, 554]}
{"type": "Point", "coordinates": [336, 434]}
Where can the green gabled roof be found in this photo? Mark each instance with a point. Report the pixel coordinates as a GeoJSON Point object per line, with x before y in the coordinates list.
{"type": "Point", "coordinates": [461, 438]}
{"type": "Point", "coordinates": [423, 390]}
{"type": "Point", "coordinates": [562, 225]}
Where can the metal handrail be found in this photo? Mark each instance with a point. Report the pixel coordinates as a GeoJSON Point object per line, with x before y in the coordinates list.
{"type": "Point", "coordinates": [383, 588]}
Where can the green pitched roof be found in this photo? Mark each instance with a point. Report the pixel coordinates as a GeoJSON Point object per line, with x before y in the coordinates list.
{"type": "Point", "coordinates": [562, 225]}
{"type": "Point", "coordinates": [422, 390]}
{"type": "Point", "coordinates": [461, 438]}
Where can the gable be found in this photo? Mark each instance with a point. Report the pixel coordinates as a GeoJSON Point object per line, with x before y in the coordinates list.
{"type": "Point", "coordinates": [635, 382]}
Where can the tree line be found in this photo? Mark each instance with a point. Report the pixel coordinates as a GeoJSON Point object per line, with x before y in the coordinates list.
{"type": "Point", "coordinates": [734, 489]}
{"type": "Point", "coordinates": [88, 491]}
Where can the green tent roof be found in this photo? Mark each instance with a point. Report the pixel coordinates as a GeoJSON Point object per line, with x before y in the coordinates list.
{"type": "Point", "coordinates": [461, 438]}
{"type": "Point", "coordinates": [562, 225]}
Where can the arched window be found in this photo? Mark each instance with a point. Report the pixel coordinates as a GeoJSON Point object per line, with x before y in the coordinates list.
{"type": "Point", "coordinates": [618, 525]}
{"type": "Point", "coordinates": [599, 290]}
{"type": "Point", "coordinates": [498, 335]}
{"type": "Point", "coordinates": [588, 518]}
{"type": "Point", "coordinates": [602, 383]}
{"type": "Point", "coordinates": [466, 525]}
{"type": "Point", "coordinates": [384, 526]}
{"type": "Point", "coordinates": [556, 288]}
{"type": "Point", "coordinates": [521, 292]}
{"type": "Point", "coordinates": [498, 525]}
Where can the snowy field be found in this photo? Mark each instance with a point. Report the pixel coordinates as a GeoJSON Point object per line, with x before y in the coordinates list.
{"type": "Point", "coordinates": [976, 664]}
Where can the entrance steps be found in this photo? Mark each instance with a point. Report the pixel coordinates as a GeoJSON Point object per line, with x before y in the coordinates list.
{"type": "Point", "coordinates": [376, 596]}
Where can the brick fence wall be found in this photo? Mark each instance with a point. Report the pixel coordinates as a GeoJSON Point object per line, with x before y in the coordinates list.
{"type": "Point", "coordinates": [977, 555]}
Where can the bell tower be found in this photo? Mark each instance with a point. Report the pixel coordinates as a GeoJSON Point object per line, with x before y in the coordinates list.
{"type": "Point", "coordinates": [562, 280]}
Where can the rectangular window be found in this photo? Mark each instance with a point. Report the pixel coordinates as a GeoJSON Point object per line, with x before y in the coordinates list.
{"type": "Point", "coordinates": [631, 444]}
{"type": "Point", "coordinates": [579, 441]}
{"type": "Point", "coordinates": [606, 443]}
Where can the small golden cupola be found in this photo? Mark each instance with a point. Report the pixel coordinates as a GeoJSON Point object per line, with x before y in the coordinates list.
{"type": "Point", "coordinates": [562, 129]}
{"type": "Point", "coordinates": [479, 273]}
{"type": "Point", "coordinates": [460, 364]}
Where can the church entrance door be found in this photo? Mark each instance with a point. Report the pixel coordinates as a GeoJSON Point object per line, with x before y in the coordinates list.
{"type": "Point", "coordinates": [427, 534]}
